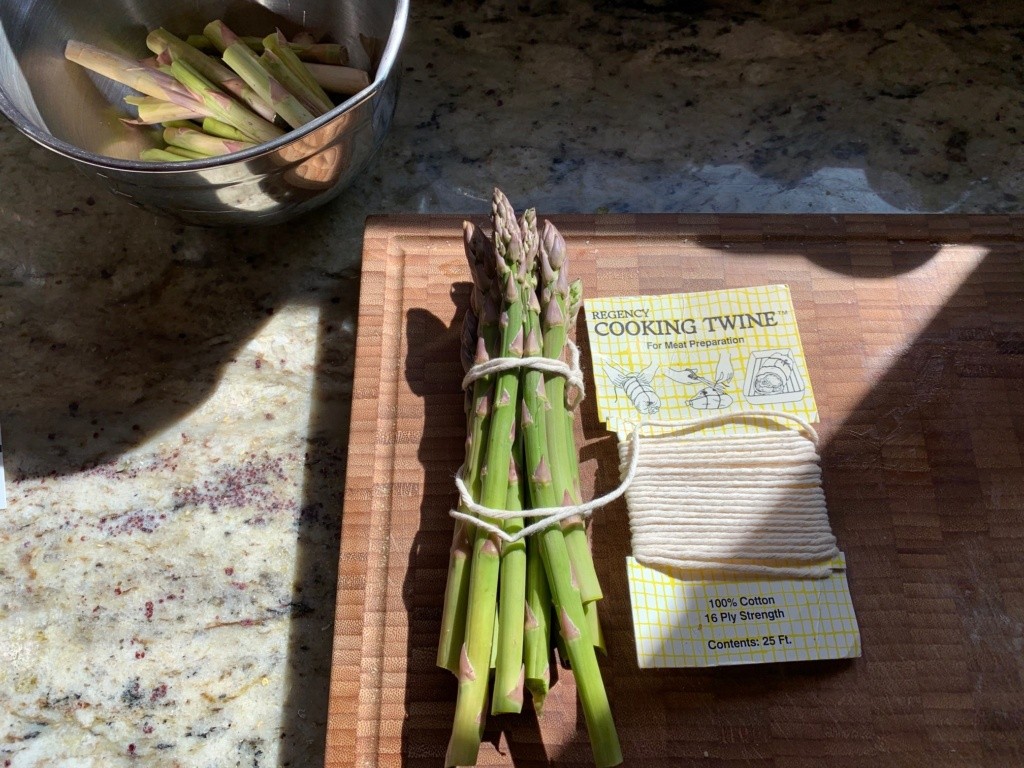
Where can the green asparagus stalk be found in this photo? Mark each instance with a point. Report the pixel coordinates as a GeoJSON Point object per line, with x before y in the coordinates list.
{"type": "Point", "coordinates": [160, 41]}
{"type": "Point", "coordinates": [197, 141]}
{"type": "Point", "coordinates": [323, 53]}
{"type": "Point", "coordinates": [223, 107]}
{"type": "Point", "coordinates": [508, 678]}
{"type": "Point", "coordinates": [573, 310]}
{"type": "Point", "coordinates": [486, 309]}
{"type": "Point", "coordinates": [290, 81]}
{"type": "Point", "coordinates": [554, 298]}
{"type": "Point", "coordinates": [471, 705]}
{"type": "Point", "coordinates": [276, 47]}
{"type": "Point", "coordinates": [244, 62]}
{"type": "Point", "coordinates": [537, 627]}
{"type": "Point", "coordinates": [556, 557]}
{"type": "Point", "coordinates": [215, 127]}
{"type": "Point", "coordinates": [155, 111]}
{"type": "Point", "coordinates": [508, 667]}
{"type": "Point", "coordinates": [141, 78]}
{"type": "Point", "coordinates": [604, 740]}
{"type": "Point", "coordinates": [534, 402]}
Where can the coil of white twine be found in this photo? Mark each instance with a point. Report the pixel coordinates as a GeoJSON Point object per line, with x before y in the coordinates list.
{"type": "Point", "coordinates": [743, 504]}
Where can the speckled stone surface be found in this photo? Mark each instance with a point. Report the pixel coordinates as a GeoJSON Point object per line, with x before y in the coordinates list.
{"type": "Point", "coordinates": [174, 401]}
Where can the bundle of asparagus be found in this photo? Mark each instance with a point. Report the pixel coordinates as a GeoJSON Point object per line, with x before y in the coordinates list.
{"type": "Point", "coordinates": [209, 106]}
{"type": "Point", "coordinates": [502, 598]}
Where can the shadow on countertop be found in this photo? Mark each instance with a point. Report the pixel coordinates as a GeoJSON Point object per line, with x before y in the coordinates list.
{"type": "Point", "coordinates": [115, 324]}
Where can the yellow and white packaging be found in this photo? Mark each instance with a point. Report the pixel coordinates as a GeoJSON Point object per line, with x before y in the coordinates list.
{"type": "Point", "coordinates": [681, 357]}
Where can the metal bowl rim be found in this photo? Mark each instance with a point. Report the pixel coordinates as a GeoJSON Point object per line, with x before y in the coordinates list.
{"type": "Point", "coordinates": [387, 63]}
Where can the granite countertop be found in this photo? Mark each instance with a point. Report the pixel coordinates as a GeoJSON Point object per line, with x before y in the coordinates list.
{"type": "Point", "coordinates": [175, 400]}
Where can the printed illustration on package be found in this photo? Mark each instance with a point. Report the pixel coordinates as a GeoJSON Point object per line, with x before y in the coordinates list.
{"type": "Point", "coordinates": [683, 356]}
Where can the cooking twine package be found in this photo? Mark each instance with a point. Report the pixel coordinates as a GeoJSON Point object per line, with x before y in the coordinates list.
{"type": "Point", "coordinates": [733, 558]}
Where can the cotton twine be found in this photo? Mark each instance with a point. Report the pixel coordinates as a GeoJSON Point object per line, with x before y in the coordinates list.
{"type": "Point", "coordinates": [741, 504]}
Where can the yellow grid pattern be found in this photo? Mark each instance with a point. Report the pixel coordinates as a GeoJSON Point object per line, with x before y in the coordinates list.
{"type": "Point", "coordinates": [700, 622]}
{"type": "Point", "coordinates": [681, 332]}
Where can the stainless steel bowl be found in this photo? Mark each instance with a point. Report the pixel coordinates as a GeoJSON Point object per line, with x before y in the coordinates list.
{"type": "Point", "coordinates": [75, 113]}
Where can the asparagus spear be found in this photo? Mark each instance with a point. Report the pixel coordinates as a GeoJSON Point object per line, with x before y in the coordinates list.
{"type": "Point", "coordinates": [338, 79]}
{"type": "Point", "coordinates": [471, 705]}
{"type": "Point", "coordinates": [155, 111]}
{"type": "Point", "coordinates": [215, 127]}
{"type": "Point", "coordinates": [557, 562]}
{"type": "Point", "coordinates": [197, 141]}
{"type": "Point", "coordinates": [322, 53]}
{"type": "Point", "coordinates": [277, 69]}
{"type": "Point", "coordinates": [537, 628]}
{"type": "Point", "coordinates": [244, 62]}
{"type": "Point", "coordinates": [485, 303]}
{"type": "Point", "coordinates": [554, 298]}
{"type": "Point", "coordinates": [160, 42]}
{"type": "Point", "coordinates": [127, 72]}
{"type": "Point", "coordinates": [508, 674]}
{"type": "Point", "coordinates": [508, 666]}
{"type": "Point", "coordinates": [573, 310]}
{"type": "Point", "coordinates": [223, 107]}
{"type": "Point", "coordinates": [276, 47]}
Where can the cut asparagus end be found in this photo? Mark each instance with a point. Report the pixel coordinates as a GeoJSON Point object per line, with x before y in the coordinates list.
{"type": "Point", "coordinates": [276, 47]}
{"type": "Point", "coordinates": [223, 107]}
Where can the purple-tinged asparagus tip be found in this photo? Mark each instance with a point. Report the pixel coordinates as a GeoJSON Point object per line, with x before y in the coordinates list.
{"type": "Point", "coordinates": [554, 244]}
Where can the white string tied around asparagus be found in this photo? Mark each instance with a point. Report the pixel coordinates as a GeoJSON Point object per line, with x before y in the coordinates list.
{"type": "Point", "coordinates": [571, 371]}
{"type": "Point", "coordinates": [548, 516]}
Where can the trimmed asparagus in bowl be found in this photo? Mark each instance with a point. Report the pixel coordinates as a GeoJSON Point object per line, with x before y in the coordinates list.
{"type": "Point", "coordinates": [255, 90]}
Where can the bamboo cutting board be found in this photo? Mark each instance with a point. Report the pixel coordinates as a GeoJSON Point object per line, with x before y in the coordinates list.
{"type": "Point", "coordinates": [913, 328]}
